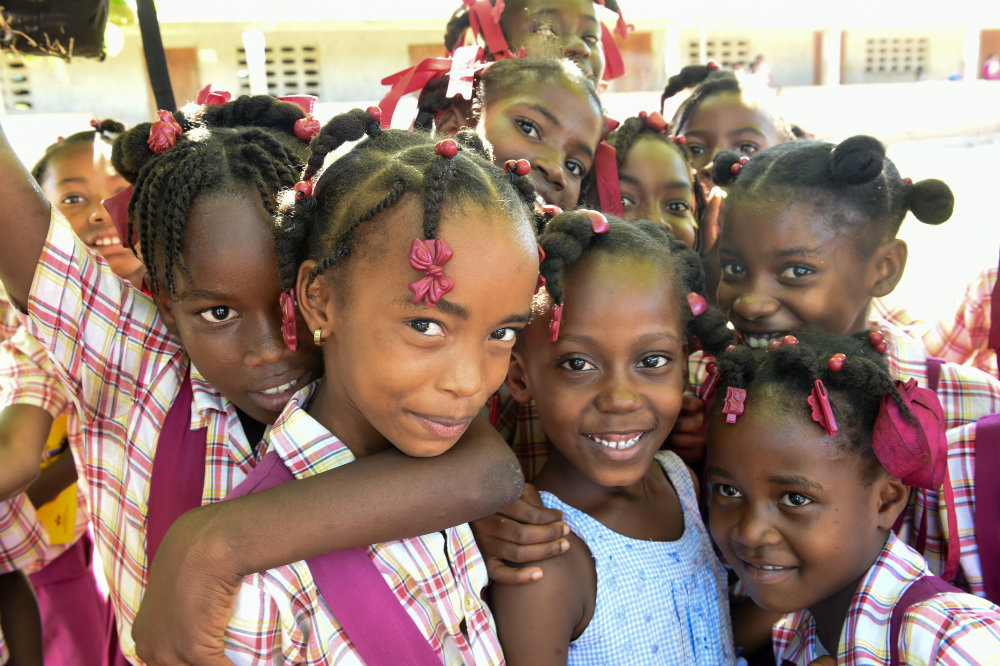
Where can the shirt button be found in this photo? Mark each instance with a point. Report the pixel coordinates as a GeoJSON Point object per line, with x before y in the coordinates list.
{"type": "Point", "coordinates": [470, 603]}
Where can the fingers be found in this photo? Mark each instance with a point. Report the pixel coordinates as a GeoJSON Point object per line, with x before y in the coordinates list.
{"type": "Point", "coordinates": [501, 572]}
{"type": "Point", "coordinates": [710, 219]}
{"type": "Point", "coordinates": [687, 439]}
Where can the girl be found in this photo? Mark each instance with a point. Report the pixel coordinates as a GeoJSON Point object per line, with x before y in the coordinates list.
{"type": "Point", "coordinates": [641, 582]}
{"type": "Point", "coordinates": [654, 177]}
{"type": "Point", "coordinates": [414, 264]}
{"type": "Point", "coordinates": [202, 206]}
{"type": "Point", "coordinates": [549, 28]}
{"type": "Point", "coordinates": [811, 449]}
{"type": "Point", "coordinates": [544, 111]}
{"type": "Point", "coordinates": [809, 238]}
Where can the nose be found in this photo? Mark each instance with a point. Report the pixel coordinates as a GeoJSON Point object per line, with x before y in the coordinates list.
{"type": "Point", "coordinates": [266, 344]}
{"type": "Point", "coordinates": [99, 215]}
{"type": "Point", "coordinates": [617, 394]}
{"type": "Point", "coordinates": [550, 169]}
{"type": "Point", "coordinates": [654, 212]}
{"type": "Point", "coordinates": [752, 529]}
{"type": "Point", "coordinates": [752, 305]}
{"type": "Point", "coordinates": [465, 375]}
{"type": "Point", "coordinates": [574, 47]}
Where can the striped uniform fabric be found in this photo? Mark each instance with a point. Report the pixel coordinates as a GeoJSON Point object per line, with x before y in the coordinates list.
{"type": "Point", "coordinates": [520, 427]}
{"type": "Point", "coordinates": [438, 578]}
{"type": "Point", "coordinates": [963, 337]}
{"type": "Point", "coordinates": [948, 629]}
{"type": "Point", "coordinates": [123, 368]}
{"type": "Point", "coordinates": [10, 316]}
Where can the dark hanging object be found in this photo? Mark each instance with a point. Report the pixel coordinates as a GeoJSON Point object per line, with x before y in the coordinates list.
{"type": "Point", "coordinates": [65, 29]}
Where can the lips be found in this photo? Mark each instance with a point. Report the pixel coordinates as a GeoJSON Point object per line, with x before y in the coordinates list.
{"type": "Point", "coordinates": [617, 441]}
{"type": "Point", "coordinates": [277, 392]}
{"type": "Point", "coordinates": [444, 427]}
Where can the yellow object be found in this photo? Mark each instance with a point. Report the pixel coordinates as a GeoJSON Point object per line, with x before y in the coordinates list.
{"type": "Point", "coordinates": [58, 516]}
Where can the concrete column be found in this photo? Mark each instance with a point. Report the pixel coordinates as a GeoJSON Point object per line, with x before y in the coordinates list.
{"type": "Point", "coordinates": [970, 54]}
{"type": "Point", "coordinates": [672, 51]}
{"type": "Point", "coordinates": [832, 55]}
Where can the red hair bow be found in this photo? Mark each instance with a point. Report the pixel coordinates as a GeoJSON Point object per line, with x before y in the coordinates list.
{"type": "Point", "coordinates": [655, 122]}
{"type": "Point", "coordinates": [209, 97]}
{"type": "Point", "coordinates": [430, 256]}
{"type": "Point", "coordinates": [164, 132]}
{"type": "Point", "coordinates": [917, 453]}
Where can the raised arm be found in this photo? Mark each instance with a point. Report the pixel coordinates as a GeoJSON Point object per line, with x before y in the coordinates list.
{"type": "Point", "coordinates": [202, 560]}
{"type": "Point", "coordinates": [24, 223]}
{"type": "Point", "coordinates": [24, 429]}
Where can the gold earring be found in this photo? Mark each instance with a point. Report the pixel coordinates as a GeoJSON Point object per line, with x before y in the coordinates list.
{"type": "Point", "coordinates": [318, 337]}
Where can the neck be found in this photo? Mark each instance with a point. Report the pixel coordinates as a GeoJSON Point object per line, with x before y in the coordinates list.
{"type": "Point", "coordinates": [344, 420]}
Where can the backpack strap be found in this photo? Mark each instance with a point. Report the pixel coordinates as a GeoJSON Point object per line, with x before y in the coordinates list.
{"type": "Point", "coordinates": [919, 591]}
{"type": "Point", "coordinates": [986, 491]}
{"type": "Point", "coordinates": [934, 372]}
{"type": "Point", "coordinates": [352, 586]}
{"type": "Point", "coordinates": [994, 339]}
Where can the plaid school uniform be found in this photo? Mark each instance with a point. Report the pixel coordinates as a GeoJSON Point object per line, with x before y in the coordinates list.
{"type": "Point", "coordinates": [280, 616]}
{"type": "Point", "coordinates": [964, 336]}
{"type": "Point", "coordinates": [520, 426]}
{"type": "Point", "coordinates": [110, 347]}
{"type": "Point", "coordinates": [949, 629]}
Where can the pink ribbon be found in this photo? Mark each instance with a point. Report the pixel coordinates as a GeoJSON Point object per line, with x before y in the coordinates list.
{"type": "Point", "coordinates": [916, 453]}
{"type": "Point", "coordinates": [289, 330]}
{"type": "Point", "coordinates": [430, 256]}
{"type": "Point", "coordinates": [462, 75]}
{"type": "Point", "coordinates": [609, 193]}
{"type": "Point", "coordinates": [556, 323]}
{"type": "Point", "coordinates": [484, 19]}
{"type": "Point", "coordinates": [164, 132]}
{"type": "Point", "coordinates": [410, 80]}
{"type": "Point", "coordinates": [117, 207]}
{"type": "Point", "coordinates": [209, 97]}
{"type": "Point", "coordinates": [305, 102]}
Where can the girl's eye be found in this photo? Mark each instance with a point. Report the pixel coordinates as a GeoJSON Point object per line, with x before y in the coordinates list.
{"type": "Point", "coordinates": [590, 40]}
{"type": "Point", "coordinates": [727, 490]}
{"type": "Point", "coordinates": [678, 206]}
{"type": "Point", "coordinates": [504, 334]}
{"type": "Point", "coordinates": [627, 202]}
{"type": "Point", "coordinates": [528, 128]}
{"type": "Point", "coordinates": [797, 272]}
{"type": "Point", "coordinates": [576, 168]}
{"type": "Point", "coordinates": [577, 365]}
{"type": "Point", "coordinates": [71, 199]}
{"type": "Point", "coordinates": [426, 327]}
{"type": "Point", "coordinates": [732, 269]}
{"type": "Point", "coordinates": [217, 314]}
{"type": "Point", "coordinates": [695, 151]}
{"type": "Point", "coordinates": [795, 499]}
{"type": "Point", "coordinates": [748, 148]}
{"type": "Point", "coordinates": [654, 361]}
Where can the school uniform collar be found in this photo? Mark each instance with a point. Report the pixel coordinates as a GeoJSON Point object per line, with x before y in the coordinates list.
{"type": "Point", "coordinates": [206, 400]}
{"type": "Point", "coordinates": [306, 447]}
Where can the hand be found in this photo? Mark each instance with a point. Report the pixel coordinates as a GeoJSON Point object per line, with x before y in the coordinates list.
{"type": "Point", "coordinates": [687, 439]}
{"type": "Point", "coordinates": [522, 532]}
{"type": "Point", "coordinates": [709, 223]}
{"type": "Point", "coordinates": [189, 599]}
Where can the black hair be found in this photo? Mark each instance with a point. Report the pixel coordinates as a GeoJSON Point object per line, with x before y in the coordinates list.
{"type": "Point", "coordinates": [570, 237]}
{"type": "Point", "coordinates": [853, 182]}
{"type": "Point", "coordinates": [107, 130]}
{"type": "Point", "coordinates": [458, 24]}
{"type": "Point", "coordinates": [709, 80]}
{"type": "Point", "coordinates": [500, 78]}
{"type": "Point", "coordinates": [372, 177]}
{"type": "Point", "coordinates": [784, 376]}
{"type": "Point", "coordinates": [246, 144]}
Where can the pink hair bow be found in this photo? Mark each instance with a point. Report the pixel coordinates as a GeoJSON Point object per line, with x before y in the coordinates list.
{"type": "Point", "coordinates": [609, 192]}
{"type": "Point", "coordinates": [462, 75]}
{"type": "Point", "coordinates": [917, 453]}
{"type": "Point", "coordinates": [410, 80]}
{"type": "Point", "coordinates": [305, 128]}
{"type": "Point", "coordinates": [484, 19]}
{"type": "Point", "coordinates": [430, 256]}
{"type": "Point", "coordinates": [164, 132]}
{"type": "Point", "coordinates": [209, 97]}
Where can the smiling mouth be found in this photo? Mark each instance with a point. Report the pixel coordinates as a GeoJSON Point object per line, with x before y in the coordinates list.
{"type": "Point", "coordinates": [107, 241]}
{"type": "Point", "coordinates": [278, 390]}
{"type": "Point", "coordinates": [617, 442]}
{"type": "Point", "coordinates": [761, 340]}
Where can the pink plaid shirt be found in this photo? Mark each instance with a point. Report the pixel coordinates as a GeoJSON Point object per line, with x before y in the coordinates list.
{"type": "Point", "coordinates": [964, 336]}
{"type": "Point", "coordinates": [946, 630]}
{"type": "Point", "coordinates": [109, 345]}
{"type": "Point", "coordinates": [438, 578]}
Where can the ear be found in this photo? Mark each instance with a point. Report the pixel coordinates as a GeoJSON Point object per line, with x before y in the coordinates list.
{"type": "Point", "coordinates": [163, 304]}
{"type": "Point", "coordinates": [315, 300]}
{"type": "Point", "coordinates": [887, 266]}
{"type": "Point", "coordinates": [517, 378]}
{"type": "Point", "coordinates": [456, 117]}
{"type": "Point", "coordinates": [893, 498]}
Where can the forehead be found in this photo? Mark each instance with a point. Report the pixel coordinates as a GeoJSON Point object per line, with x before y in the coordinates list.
{"type": "Point", "coordinates": [729, 111]}
{"type": "Point", "coordinates": [81, 158]}
{"type": "Point", "coordinates": [650, 158]}
{"type": "Point", "coordinates": [526, 9]}
{"type": "Point", "coordinates": [224, 232]}
{"type": "Point", "coordinates": [777, 225]}
{"type": "Point", "coordinates": [620, 287]}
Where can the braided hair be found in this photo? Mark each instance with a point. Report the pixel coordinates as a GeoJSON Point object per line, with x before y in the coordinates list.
{"type": "Point", "coordinates": [708, 80]}
{"type": "Point", "coordinates": [783, 379]}
{"type": "Point", "coordinates": [246, 144]}
{"type": "Point", "coordinates": [107, 130]}
{"type": "Point", "coordinates": [372, 177]}
{"type": "Point", "coordinates": [854, 179]}
{"type": "Point", "coordinates": [570, 237]}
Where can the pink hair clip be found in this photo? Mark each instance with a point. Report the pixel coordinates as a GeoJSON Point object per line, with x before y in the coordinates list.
{"type": "Point", "coordinates": [822, 412]}
{"type": "Point", "coordinates": [306, 128]}
{"type": "Point", "coordinates": [163, 133]}
{"type": "Point", "coordinates": [734, 404]}
{"type": "Point", "coordinates": [430, 256]}
{"type": "Point", "coordinates": [707, 389]}
{"type": "Point", "coordinates": [289, 330]}
{"type": "Point", "coordinates": [551, 210]}
{"type": "Point", "coordinates": [598, 221]}
{"type": "Point", "coordinates": [655, 121]}
{"type": "Point", "coordinates": [557, 313]}
{"type": "Point", "coordinates": [697, 303]}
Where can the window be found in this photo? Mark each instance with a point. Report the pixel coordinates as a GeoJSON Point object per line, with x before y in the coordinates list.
{"type": "Point", "coordinates": [291, 70]}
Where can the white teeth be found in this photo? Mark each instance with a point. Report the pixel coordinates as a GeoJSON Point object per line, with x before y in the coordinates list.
{"type": "Point", "coordinates": [761, 341]}
{"type": "Point", "coordinates": [625, 444]}
{"type": "Point", "coordinates": [113, 240]}
{"type": "Point", "coordinates": [540, 200]}
{"type": "Point", "coordinates": [277, 390]}
{"type": "Point", "coordinates": [768, 567]}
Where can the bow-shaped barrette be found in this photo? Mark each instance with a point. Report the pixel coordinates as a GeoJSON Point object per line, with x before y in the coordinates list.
{"type": "Point", "coordinates": [430, 256]}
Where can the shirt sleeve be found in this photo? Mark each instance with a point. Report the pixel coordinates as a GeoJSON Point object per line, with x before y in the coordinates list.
{"type": "Point", "coordinates": [23, 542]}
{"type": "Point", "coordinates": [27, 376]}
{"type": "Point", "coordinates": [950, 630]}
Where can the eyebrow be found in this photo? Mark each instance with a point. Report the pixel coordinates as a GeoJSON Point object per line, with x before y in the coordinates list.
{"type": "Point", "coordinates": [682, 184]}
{"type": "Point", "coordinates": [644, 339]}
{"type": "Point", "coordinates": [201, 295]}
{"type": "Point", "coordinates": [799, 250]}
{"type": "Point", "coordinates": [72, 179]}
{"type": "Point", "coordinates": [546, 11]}
{"type": "Point", "coordinates": [792, 480]}
{"type": "Point", "coordinates": [451, 308]}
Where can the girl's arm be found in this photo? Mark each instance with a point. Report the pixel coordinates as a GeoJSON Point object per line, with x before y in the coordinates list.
{"type": "Point", "coordinates": [24, 223]}
{"type": "Point", "coordinates": [537, 622]}
{"type": "Point", "coordinates": [24, 429]}
{"type": "Point", "coordinates": [201, 562]}
{"type": "Point", "coordinates": [19, 620]}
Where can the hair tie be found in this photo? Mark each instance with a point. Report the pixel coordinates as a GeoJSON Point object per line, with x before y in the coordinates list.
{"type": "Point", "coordinates": [446, 148]}
{"type": "Point", "coordinates": [713, 66]}
{"type": "Point", "coordinates": [598, 221]}
{"type": "Point", "coordinates": [306, 128]}
{"type": "Point", "coordinates": [289, 330]}
{"type": "Point", "coordinates": [738, 165]}
{"type": "Point", "coordinates": [430, 256]}
{"type": "Point", "coordinates": [95, 123]}
{"type": "Point", "coordinates": [734, 403]}
{"type": "Point", "coordinates": [303, 189]}
{"type": "Point", "coordinates": [520, 167]}
{"type": "Point", "coordinates": [557, 313]}
{"type": "Point", "coordinates": [822, 412]}
{"type": "Point", "coordinates": [908, 181]}
{"type": "Point", "coordinates": [163, 133]}
{"type": "Point", "coordinates": [836, 362]}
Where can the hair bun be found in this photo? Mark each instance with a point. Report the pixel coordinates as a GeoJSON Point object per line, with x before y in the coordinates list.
{"type": "Point", "coordinates": [722, 167]}
{"type": "Point", "coordinates": [931, 201]}
{"type": "Point", "coordinates": [858, 159]}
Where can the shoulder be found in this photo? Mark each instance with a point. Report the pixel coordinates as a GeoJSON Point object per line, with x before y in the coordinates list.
{"type": "Point", "coordinates": [951, 628]}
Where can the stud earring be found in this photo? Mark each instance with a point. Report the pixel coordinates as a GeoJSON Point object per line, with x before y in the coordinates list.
{"type": "Point", "coordinates": [318, 337]}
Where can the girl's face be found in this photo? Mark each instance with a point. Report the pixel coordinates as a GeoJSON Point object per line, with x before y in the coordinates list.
{"type": "Point", "coordinates": [609, 389]}
{"type": "Point", "coordinates": [785, 266]}
{"type": "Point", "coordinates": [791, 509]}
{"type": "Point", "coordinates": [555, 128]}
{"type": "Point", "coordinates": [226, 311]}
{"type": "Point", "coordinates": [556, 28]}
{"type": "Point", "coordinates": [656, 185]}
{"type": "Point", "coordinates": [725, 121]}
{"type": "Point", "coordinates": [76, 181]}
{"type": "Point", "coordinates": [411, 375]}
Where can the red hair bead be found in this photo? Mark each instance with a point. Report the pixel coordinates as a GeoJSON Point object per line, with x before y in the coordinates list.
{"type": "Point", "coordinates": [789, 340]}
{"type": "Point", "coordinates": [303, 189]}
{"type": "Point", "coordinates": [447, 148]}
{"type": "Point", "coordinates": [375, 113]}
{"type": "Point", "coordinates": [714, 66]}
{"type": "Point", "coordinates": [836, 362]}
{"type": "Point", "coordinates": [735, 168]}
{"type": "Point", "coordinates": [680, 140]}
